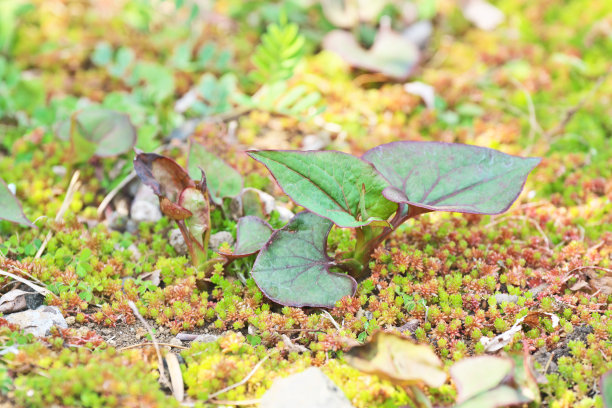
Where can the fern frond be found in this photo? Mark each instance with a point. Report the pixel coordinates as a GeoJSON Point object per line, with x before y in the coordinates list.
{"type": "Point", "coordinates": [280, 51]}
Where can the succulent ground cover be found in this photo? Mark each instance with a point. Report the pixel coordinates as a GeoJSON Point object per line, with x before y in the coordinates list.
{"type": "Point", "coordinates": [200, 86]}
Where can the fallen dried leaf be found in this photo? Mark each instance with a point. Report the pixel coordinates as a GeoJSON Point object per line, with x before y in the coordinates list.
{"type": "Point", "coordinates": [176, 377]}
{"type": "Point", "coordinates": [398, 359]}
{"type": "Point", "coordinates": [500, 341]}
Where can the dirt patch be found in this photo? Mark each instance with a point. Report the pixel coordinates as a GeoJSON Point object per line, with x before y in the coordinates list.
{"type": "Point", "coordinates": [548, 359]}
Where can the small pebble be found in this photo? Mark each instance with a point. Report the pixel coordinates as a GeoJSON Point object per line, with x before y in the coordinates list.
{"type": "Point", "coordinates": [219, 238]}
{"type": "Point", "coordinates": [175, 342]}
{"type": "Point", "coordinates": [178, 241]}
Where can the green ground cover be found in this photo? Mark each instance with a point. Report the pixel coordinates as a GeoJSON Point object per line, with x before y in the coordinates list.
{"type": "Point", "coordinates": [254, 76]}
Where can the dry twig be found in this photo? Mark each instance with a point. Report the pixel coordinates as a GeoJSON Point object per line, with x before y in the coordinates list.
{"type": "Point", "coordinates": [72, 188]}
{"type": "Point", "coordinates": [569, 114]}
{"type": "Point", "coordinates": [131, 346]}
{"type": "Point", "coordinates": [160, 360]}
{"type": "Point", "coordinates": [243, 381]}
{"type": "Point", "coordinates": [43, 291]}
{"type": "Point", "coordinates": [109, 197]}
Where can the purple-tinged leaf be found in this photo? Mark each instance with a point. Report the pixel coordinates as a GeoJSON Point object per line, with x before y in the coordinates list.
{"type": "Point", "coordinates": [252, 233]}
{"type": "Point", "coordinates": [293, 268]}
{"type": "Point", "coordinates": [451, 176]}
{"type": "Point", "coordinates": [222, 179]}
{"type": "Point", "coordinates": [10, 208]}
{"type": "Point", "coordinates": [165, 177]}
{"type": "Point", "coordinates": [334, 185]}
{"type": "Point", "coordinates": [172, 210]}
{"type": "Point", "coordinates": [391, 54]}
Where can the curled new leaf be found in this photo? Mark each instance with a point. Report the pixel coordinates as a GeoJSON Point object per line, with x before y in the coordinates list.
{"type": "Point", "coordinates": [252, 233]}
{"type": "Point", "coordinates": [334, 185]}
{"type": "Point", "coordinates": [398, 359]}
{"type": "Point", "coordinates": [165, 177]}
{"type": "Point", "coordinates": [293, 268]}
{"type": "Point", "coordinates": [222, 179]}
{"type": "Point", "coordinates": [10, 208]}
{"type": "Point", "coordinates": [180, 198]}
{"type": "Point", "coordinates": [195, 201]}
{"type": "Point", "coordinates": [451, 176]}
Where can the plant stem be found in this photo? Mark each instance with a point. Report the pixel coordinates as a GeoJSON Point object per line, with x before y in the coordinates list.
{"type": "Point", "coordinates": [368, 240]}
{"type": "Point", "coordinates": [198, 255]}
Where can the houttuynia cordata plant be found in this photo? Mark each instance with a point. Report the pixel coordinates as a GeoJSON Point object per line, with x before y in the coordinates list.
{"type": "Point", "coordinates": [374, 194]}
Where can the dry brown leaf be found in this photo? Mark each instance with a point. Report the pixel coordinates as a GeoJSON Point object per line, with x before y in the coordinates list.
{"type": "Point", "coordinates": [153, 277]}
{"type": "Point", "coordinates": [398, 359]}
{"type": "Point", "coordinates": [500, 341]}
{"type": "Point", "coordinates": [13, 301]}
{"type": "Point", "coordinates": [176, 377]}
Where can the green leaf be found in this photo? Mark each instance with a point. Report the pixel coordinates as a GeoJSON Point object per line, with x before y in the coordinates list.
{"type": "Point", "coordinates": [98, 131]}
{"type": "Point", "coordinates": [330, 184]}
{"type": "Point", "coordinates": [11, 208]}
{"type": "Point", "coordinates": [252, 233]}
{"type": "Point", "coordinates": [221, 179]}
{"type": "Point", "coordinates": [251, 203]}
{"type": "Point", "coordinates": [476, 375]}
{"type": "Point", "coordinates": [102, 54]}
{"type": "Point", "coordinates": [451, 176]}
{"type": "Point", "coordinates": [491, 382]}
{"type": "Point", "coordinates": [293, 268]}
{"type": "Point", "coordinates": [501, 396]}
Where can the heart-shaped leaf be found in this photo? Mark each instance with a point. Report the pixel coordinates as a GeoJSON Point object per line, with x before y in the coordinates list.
{"type": "Point", "coordinates": [398, 359]}
{"type": "Point", "coordinates": [451, 176]}
{"type": "Point", "coordinates": [334, 185]}
{"type": "Point", "coordinates": [293, 268]}
{"type": "Point", "coordinates": [222, 180]}
{"type": "Point", "coordinates": [101, 132]}
{"type": "Point", "coordinates": [391, 54]}
{"type": "Point", "coordinates": [163, 175]}
{"type": "Point", "coordinates": [11, 208]}
{"type": "Point", "coordinates": [252, 233]}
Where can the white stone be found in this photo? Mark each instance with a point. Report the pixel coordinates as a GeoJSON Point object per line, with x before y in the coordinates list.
{"type": "Point", "coordinates": [178, 242]}
{"type": "Point", "coordinates": [308, 389]}
{"type": "Point", "coordinates": [39, 321]}
{"type": "Point", "coordinates": [219, 238]}
{"type": "Point", "coordinates": [145, 207]}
